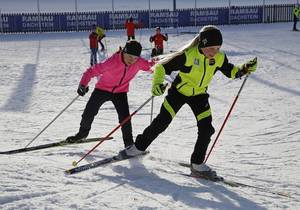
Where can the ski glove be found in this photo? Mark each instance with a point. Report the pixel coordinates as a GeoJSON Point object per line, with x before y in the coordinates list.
{"type": "Point", "coordinates": [166, 35]}
{"type": "Point", "coordinates": [82, 90]}
{"type": "Point", "coordinates": [250, 66]}
{"type": "Point", "coordinates": [158, 89]}
{"type": "Point", "coordinates": [247, 68]}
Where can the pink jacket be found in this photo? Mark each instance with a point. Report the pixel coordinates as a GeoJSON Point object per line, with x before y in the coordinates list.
{"type": "Point", "coordinates": [113, 75]}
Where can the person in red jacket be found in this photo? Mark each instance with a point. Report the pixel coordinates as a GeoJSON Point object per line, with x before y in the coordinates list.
{"type": "Point", "coordinates": [130, 27]}
{"type": "Point", "coordinates": [158, 40]}
{"type": "Point", "coordinates": [93, 37]}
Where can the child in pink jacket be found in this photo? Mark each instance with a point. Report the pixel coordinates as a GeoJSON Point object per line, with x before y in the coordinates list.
{"type": "Point", "coordinates": [115, 74]}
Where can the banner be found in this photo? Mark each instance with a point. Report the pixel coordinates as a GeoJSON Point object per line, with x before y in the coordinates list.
{"type": "Point", "coordinates": [84, 21]}
{"type": "Point", "coordinates": [164, 18]}
{"type": "Point", "coordinates": [214, 16]}
{"type": "Point", "coordinates": [240, 15]}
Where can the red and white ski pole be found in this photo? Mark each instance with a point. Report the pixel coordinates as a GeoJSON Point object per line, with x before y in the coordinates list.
{"type": "Point", "coordinates": [116, 128]}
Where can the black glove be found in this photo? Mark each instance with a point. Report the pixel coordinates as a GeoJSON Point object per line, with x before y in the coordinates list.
{"type": "Point", "coordinates": [151, 39]}
{"type": "Point", "coordinates": [82, 90]}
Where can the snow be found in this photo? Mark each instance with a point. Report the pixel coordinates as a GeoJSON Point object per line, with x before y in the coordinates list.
{"type": "Point", "coordinates": [259, 145]}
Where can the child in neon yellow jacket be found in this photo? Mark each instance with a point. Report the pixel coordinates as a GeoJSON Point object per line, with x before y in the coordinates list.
{"type": "Point", "coordinates": [197, 63]}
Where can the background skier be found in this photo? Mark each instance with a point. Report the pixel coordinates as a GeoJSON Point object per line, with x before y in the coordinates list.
{"type": "Point", "coordinates": [101, 34]}
{"type": "Point", "coordinates": [130, 28]}
{"type": "Point", "coordinates": [296, 12]}
{"type": "Point", "coordinates": [158, 38]}
{"type": "Point", "coordinates": [93, 37]}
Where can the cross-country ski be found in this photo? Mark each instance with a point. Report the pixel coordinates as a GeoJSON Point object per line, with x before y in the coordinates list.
{"type": "Point", "coordinates": [103, 162]}
{"type": "Point", "coordinates": [50, 145]}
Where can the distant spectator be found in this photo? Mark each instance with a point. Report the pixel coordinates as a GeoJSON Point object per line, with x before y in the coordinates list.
{"type": "Point", "coordinates": [130, 27]}
{"type": "Point", "coordinates": [101, 34]}
{"type": "Point", "coordinates": [93, 37]}
{"type": "Point", "coordinates": [158, 40]}
{"type": "Point", "coordinates": [296, 12]}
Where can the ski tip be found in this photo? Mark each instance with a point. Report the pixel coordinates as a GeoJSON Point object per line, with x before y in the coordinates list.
{"type": "Point", "coordinates": [188, 165]}
{"type": "Point", "coordinates": [67, 172]}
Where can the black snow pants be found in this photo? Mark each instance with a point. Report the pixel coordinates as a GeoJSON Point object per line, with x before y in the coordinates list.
{"type": "Point", "coordinates": [120, 102]}
{"type": "Point", "coordinates": [171, 105]}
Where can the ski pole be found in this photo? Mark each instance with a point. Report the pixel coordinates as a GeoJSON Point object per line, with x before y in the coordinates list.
{"type": "Point", "coordinates": [52, 121]}
{"type": "Point", "coordinates": [140, 28]}
{"type": "Point", "coordinates": [164, 86]}
{"type": "Point", "coordinates": [226, 118]}
{"type": "Point", "coordinates": [105, 51]}
{"type": "Point", "coordinates": [116, 128]}
{"type": "Point", "coordinates": [151, 114]}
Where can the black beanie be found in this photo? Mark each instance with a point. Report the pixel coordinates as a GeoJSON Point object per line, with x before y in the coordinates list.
{"type": "Point", "coordinates": [133, 48]}
{"type": "Point", "coordinates": [210, 36]}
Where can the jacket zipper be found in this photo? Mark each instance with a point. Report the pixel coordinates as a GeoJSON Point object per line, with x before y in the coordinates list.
{"type": "Point", "coordinates": [125, 70]}
{"type": "Point", "coordinates": [203, 72]}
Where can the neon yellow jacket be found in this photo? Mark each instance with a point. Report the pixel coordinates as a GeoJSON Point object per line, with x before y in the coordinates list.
{"type": "Point", "coordinates": [100, 32]}
{"type": "Point", "coordinates": [195, 71]}
{"type": "Point", "coordinates": [296, 11]}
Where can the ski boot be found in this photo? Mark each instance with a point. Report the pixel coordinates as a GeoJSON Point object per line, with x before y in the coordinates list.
{"type": "Point", "coordinates": [128, 152]}
{"type": "Point", "coordinates": [80, 136]}
{"type": "Point", "coordinates": [205, 172]}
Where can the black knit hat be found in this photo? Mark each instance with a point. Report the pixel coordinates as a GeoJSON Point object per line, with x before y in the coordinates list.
{"type": "Point", "coordinates": [210, 36]}
{"type": "Point", "coordinates": [133, 47]}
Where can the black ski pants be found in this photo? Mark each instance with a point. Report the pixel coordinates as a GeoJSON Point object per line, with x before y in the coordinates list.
{"type": "Point", "coordinates": [120, 102]}
{"type": "Point", "coordinates": [156, 52]}
{"type": "Point", "coordinates": [295, 22]}
{"type": "Point", "coordinates": [130, 37]}
{"type": "Point", "coordinates": [171, 105]}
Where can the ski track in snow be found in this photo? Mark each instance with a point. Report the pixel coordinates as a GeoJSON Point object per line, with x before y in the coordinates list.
{"type": "Point", "coordinates": [258, 146]}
